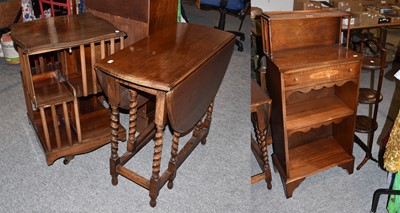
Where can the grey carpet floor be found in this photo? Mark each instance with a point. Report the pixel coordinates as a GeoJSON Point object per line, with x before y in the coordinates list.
{"type": "Point", "coordinates": [214, 178]}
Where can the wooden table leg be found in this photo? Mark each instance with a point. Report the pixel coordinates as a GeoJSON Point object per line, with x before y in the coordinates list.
{"type": "Point", "coordinates": [200, 133]}
{"type": "Point", "coordinates": [261, 134]}
{"type": "Point", "coordinates": [207, 121]}
{"type": "Point", "coordinates": [131, 146]}
{"type": "Point", "coordinates": [160, 121]}
{"type": "Point", "coordinates": [172, 162]}
{"type": "Point", "coordinates": [204, 124]}
{"type": "Point", "coordinates": [113, 94]}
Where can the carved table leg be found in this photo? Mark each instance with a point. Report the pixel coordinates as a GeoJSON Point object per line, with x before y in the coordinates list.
{"type": "Point", "coordinates": [160, 120]}
{"type": "Point", "coordinates": [261, 134]}
{"type": "Point", "coordinates": [114, 144]}
{"type": "Point", "coordinates": [155, 177]}
{"type": "Point", "coordinates": [207, 121]}
{"type": "Point", "coordinates": [113, 94]}
{"type": "Point", "coordinates": [262, 143]}
{"type": "Point", "coordinates": [205, 124]}
{"type": "Point", "coordinates": [197, 129]}
{"type": "Point", "coordinates": [172, 161]}
{"type": "Point", "coordinates": [132, 121]}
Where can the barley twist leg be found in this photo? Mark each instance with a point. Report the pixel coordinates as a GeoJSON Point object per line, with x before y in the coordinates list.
{"type": "Point", "coordinates": [158, 143]}
{"type": "Point", "coordinates": [173, 159]}
{"type": "Point", "coordinates": [207, 121]}
{"type": "Point", "coordinates": [261, 135]}
{"type": "Point", "coordinates": [114, 144]}
{"type": "Point", "coordinates": [132, 121]}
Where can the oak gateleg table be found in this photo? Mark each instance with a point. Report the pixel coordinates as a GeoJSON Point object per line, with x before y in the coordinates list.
{"type": "Point", "coordinates": [182, 67]}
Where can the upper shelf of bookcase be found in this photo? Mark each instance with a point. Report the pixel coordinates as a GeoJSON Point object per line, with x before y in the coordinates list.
{"type": "Point", "coordinates": [298, 29]}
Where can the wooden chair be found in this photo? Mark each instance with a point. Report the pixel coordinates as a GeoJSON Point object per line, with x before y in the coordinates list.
{"type": "Point", "coordinates": [371, 96]}
{"type": "Point", "coordinates": [235, 7]}
{"type": "Point", "coordinates": [62, 6]}
{"type": "Point", "coordinates": [260, 116]}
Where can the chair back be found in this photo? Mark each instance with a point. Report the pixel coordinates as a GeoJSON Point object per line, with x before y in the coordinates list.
{"type": "Point", "coordinates": [231, 5]}
{"type": "Point", "coordinates": [61, 4]}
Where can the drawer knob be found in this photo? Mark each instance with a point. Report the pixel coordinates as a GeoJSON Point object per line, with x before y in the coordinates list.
{"type": "Point", "coordinates": [350, 70]}
{"type": "Point", "coordinates": [296, 79]}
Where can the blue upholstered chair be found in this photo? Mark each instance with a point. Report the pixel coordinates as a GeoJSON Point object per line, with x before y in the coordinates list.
{"type": "Point", "coordinates": [234, 7]}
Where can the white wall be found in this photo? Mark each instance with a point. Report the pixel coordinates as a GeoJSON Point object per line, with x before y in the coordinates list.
{"type": "Point", "coordinates": [273, 5]}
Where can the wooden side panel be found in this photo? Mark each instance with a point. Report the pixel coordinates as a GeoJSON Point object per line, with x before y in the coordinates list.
{"type": "Point", "coordinates": [138, 19]}
{"type": "Point", "coordinates": [189, 101]}
{"type": "Point", "coordinates": [342, 134]}
{"type": "Point", "coordinates": [265, 37]}
{"type": "Point", "coordinates": [136, 30]}
{"type": "Point", "coordinates": [163, 13]}
{"type": "Point", "coordinates": [298, 33]}
{"type": "Point", "coordinates": [9, 11]}
{"type": "Point", "coordinates": [343, 131]}
{"type": "Point", "coordinates": [274, 87]}
{"type": "Point", "coordinates": [131, 9]}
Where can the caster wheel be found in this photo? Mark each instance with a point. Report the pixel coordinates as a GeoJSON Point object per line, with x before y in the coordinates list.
{"type": "Point", "coordinates": [240, 49]}
{"type": "Point", "coordinates": [66, 162]}
{"type": "Point", "coordinates": [269, 186]}
{"type": "Point", "coordinates": [204, 141]}
{"type": "Point", "coordinates": [242, 38]}
{"type": "Point", "coordinates": [68, 159]}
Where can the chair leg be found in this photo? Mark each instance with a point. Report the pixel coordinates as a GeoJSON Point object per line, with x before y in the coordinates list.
{"type": "Point", "coordinates": [378, 193]}
{"type": "Point", "coordinates": [241, 23]}
{"type": "Point", "coordinates": [183, 13]}
{"type": "Point", "coordinates": [221, 23]}
{"type": "Point", "coordinates": [243, 14]}
{"type": "Point", "coordinates": [221, 26]}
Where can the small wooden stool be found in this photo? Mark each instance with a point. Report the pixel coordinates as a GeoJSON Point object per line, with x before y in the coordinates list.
{"type": "Point", "coordinates": [260, 116]}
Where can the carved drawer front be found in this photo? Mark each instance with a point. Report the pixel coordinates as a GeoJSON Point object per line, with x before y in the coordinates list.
{"type": "Point", "coordinates": [321, 75]}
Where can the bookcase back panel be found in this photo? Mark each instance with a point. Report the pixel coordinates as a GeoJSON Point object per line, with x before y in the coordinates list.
{"type": "Point", "coordinates": [299, 33]}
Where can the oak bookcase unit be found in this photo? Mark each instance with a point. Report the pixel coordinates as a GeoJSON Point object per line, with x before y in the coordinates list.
{"type": "Point", "coordinates": [62, 95]}
{"type": "Point", "coordinates": [313, 82]}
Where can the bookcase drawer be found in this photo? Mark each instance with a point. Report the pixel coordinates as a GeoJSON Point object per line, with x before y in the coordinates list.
{"type": "Point", "coordinates": [321, 75]}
